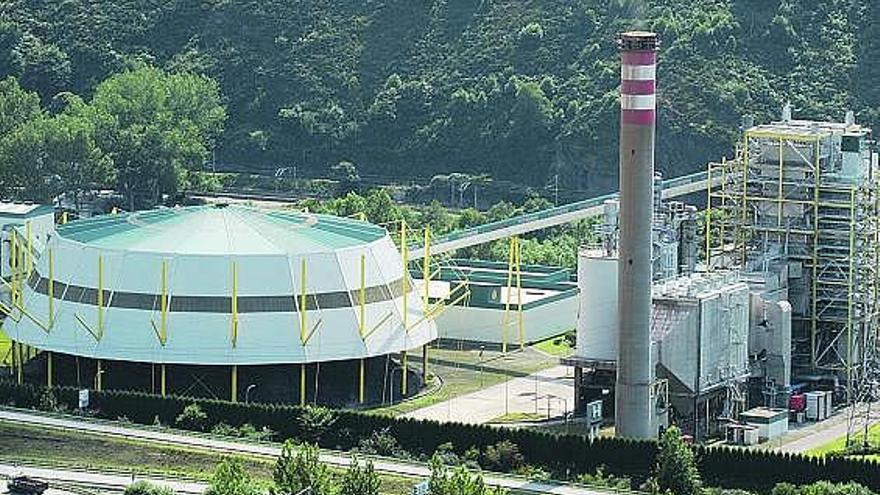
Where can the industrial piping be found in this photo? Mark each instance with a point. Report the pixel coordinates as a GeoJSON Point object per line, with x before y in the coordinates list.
{"type": "Point", "coordinates": [634, 407]}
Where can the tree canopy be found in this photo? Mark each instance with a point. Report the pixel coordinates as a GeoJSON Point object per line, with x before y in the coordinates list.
{"type": "Point", "coordinates": [142, 131]}
{"type": "Point", "coordinates": [521, 90]}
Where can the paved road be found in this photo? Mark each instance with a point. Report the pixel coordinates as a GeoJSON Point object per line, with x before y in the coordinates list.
{"type": "Point", "coordinates": [97, 481]}
{"type": "Point", "coordinates": [553, 387]}
{"type": "Point", "coordinates": [170, 437]}
{"type": "Point", "coordinates": [817, 434]}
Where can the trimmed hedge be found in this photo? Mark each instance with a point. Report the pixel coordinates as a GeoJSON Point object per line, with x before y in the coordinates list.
{"type": "Point", "coordinates": [563, 455]}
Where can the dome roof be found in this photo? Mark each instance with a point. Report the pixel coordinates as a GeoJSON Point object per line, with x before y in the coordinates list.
{"type": "Point", "coordinates": [221, 230]}
{"type": "Point", "coordinates": [220, 285]}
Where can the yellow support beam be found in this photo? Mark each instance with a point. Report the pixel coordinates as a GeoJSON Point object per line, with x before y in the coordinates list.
{"type": "Point", "coordinates": [519, 304]}
{"type": "Point", "coordinates": [362, 297]}
{"type": "Point", "coordinates": [707, 217]}
{"type": "Point", "coordinates": [303, 330]}
{"type": "Point", "coordinates": [51, 287]}
{"type": "Point", "coordinates": [64, 217]}
{"type": "Point", "coordinates": [505, 327]}
{"type": "Point", "coordinates": [234, 385]}
{"type": "Point", "coordinates": [303, 321]}
{"type": "Point", "coordinates": [850, 384]}
{"type": "Point", "coordinates": [100, 296]}
{"type": "Point", "coordinates": [163, 305]}
{"type": "Point", "coordinates": [13, 265]}
{"type": "Point", "coordinates": [362, 300]}
{"type": "Point", "coordinates": [404, 249]}
{"type": "Point", "coordinates": [426, 281]}
{"type": "Point", "coordinates": [29, 255]}
{"type": "Point", "coordinates": [234, 338]}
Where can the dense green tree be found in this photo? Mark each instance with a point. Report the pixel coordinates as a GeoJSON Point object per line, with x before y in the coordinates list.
{"type": "Point", "coordinates": [299, 467]}
{"type": "Point", "coordinates": [676, 470]}
{"type": "Point", "coordinates": [457, 480]}
{"type": "Point", "coordinates": [360, 479]}
{"type": "Point", "coordinates": [156, 126]}
{"type": "Point", "coordinates": [231, 478]}
{"type": "Point", "coordinates": [17, 106]}
{"type": "Point", "coordinates": [513, 88]}
{"type": "Point", "coordinates": [192, 418]}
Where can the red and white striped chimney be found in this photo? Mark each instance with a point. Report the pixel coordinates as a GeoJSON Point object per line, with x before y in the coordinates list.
{"type": "Point", "coordinates": [635, 414]}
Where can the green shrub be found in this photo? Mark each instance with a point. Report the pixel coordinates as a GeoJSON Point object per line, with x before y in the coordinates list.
{"type": "Point", "coordinates": [457, 481]}
{"type": "Point", "coordinates": [231, 478]}
{"type": "Point", "coordinates": [676, 468]}
{"type": "Point", "coordinates": [504, 456]}
{"type": "Point", "coordinates": [147, 488]}
{"type": "Point", "coordinates": [383, 443]}
{"type": "Point", "coordinates": [360, 480]}
{"type": "Point", "coordinates": [192, 418]}
{"type": "Point", "coordinates": [299, 468]}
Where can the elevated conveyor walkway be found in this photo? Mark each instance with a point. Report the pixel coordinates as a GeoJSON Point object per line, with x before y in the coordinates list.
{"type": "Point", "coordinates": [550, 217]}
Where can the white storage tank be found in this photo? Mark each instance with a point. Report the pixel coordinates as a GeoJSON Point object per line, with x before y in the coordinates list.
{"type": "Point", "coordinates": [597, 308]}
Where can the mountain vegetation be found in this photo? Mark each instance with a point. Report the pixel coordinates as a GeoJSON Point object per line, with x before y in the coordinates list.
{"type": "Point", "coordinates": [524, 90]}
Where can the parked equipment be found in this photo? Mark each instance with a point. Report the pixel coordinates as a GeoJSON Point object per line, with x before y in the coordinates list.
{"type": "Point", "coordinates": [26, 485]}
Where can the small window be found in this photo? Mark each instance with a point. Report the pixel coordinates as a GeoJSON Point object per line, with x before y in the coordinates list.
{"type": "Point", "coordinates": [850, 144]}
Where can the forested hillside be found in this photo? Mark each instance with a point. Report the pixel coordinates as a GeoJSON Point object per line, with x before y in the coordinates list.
{"type": "Point", "coordinates": [519, 89]}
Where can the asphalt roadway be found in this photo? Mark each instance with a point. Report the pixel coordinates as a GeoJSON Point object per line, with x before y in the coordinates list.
{"type": "Point", "coordinates": [547, 392]}
{"type": "Point", "coordinates": [170, 437]}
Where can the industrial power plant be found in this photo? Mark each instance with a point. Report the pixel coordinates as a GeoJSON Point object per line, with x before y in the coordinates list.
{"type": "Point", "coordinates": [730, 302]}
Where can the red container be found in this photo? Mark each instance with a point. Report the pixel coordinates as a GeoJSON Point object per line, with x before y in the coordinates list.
{"type": "Point", "coordinates": [797, 402]}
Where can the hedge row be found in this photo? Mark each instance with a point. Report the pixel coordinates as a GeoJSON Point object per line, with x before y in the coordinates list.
{"type": "Point", "coordinates": [561, 454]}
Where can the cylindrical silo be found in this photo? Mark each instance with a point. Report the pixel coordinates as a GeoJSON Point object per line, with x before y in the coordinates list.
{"type": "Point", "coordinates": [635, 370]}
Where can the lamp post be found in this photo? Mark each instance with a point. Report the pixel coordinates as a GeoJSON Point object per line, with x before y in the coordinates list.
{"type": "Point", "coordinates": [247, 392]}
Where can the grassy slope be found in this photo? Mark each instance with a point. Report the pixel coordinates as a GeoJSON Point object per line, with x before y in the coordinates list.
{"type": "Point", "coordinates": [25, 443]}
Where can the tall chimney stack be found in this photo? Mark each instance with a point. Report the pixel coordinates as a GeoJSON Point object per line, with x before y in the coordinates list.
{"type": "Point", "coordinates": [634, 407]}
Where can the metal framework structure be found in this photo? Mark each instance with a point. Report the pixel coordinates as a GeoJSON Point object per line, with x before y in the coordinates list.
{"type": "Point", "coordinates": [803, 197]}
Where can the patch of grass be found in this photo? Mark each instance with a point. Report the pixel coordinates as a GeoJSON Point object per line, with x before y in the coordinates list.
{"type": "Point", "coordinates": [89, 450]}
{"type": "Point", "coordinates": [84, 450]}
{"type": "Point", "coordinates": [518, 417]}
{"type": "Point", "coordinates": [839, 444]}
{"type": "Point", "coordinates": [463, 371]}
{"type": "Point", "coordinates": [556, 346]}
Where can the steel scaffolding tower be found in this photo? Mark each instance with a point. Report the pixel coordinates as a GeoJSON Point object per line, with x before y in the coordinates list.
{"type": "Point", "coordinates": [801, 198]}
